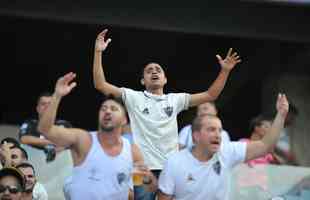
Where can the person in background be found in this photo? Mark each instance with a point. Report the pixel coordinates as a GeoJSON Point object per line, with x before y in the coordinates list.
{"type": "Point", "coordinates": [29, 134]}
{"type": "Point", "coordinates": [185, 135]}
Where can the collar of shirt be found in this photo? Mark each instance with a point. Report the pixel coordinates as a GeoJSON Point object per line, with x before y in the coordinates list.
{"type": "Point", "coordinates": [155, 96]}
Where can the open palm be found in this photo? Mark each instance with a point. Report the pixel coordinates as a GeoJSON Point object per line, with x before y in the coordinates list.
{"type": "Point", "coordinates": [282, 104]}
{"type": "Point", "coordinates": [64, 84]}
{"type": "Point", "coordinates": [101, 42]}
{"type": "Point", "coordinates": [230, 60]}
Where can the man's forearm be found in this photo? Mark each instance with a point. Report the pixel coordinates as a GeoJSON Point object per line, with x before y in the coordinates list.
{"type": "Point", "coordinates": [34, 141]}
{"type": "Point", "coordinates": [272, 137]}
{"type": "Point", "coordinates": [48, 119]}
{"type": "Point", "coordinates": [98, 73]}
{"type": "Point", "coordinates": [218, 85]}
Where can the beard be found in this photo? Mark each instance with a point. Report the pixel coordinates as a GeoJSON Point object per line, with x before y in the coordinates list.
{"type": "Point", "coordinates": [105, 129]}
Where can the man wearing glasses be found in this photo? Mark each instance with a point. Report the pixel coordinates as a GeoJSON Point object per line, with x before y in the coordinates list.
{"type": "Point", "coordinates": [12, 184]}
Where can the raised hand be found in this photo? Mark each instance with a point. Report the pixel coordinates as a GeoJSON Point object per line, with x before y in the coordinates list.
{"type": "Point", "coordinates": [5, 151]}
{"type": "Point", "coordinates": [101, 43]}
{"type": "Point", "coordinates": [282, 105]}
{"type": "Point", "coordinates": [64, 84]}
{"type": "Point", "coordinates": [230, 61]}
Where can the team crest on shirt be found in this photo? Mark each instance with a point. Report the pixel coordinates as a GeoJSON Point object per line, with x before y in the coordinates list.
{"type": "Point", "coordinates": [168, 110]}
{"type": "Point", "coordinates": [121, 177]}
{"type": "Point", "coordinates": [190, 178]}
{"type": "Point", "coordinates": [217, 167]}
{"type": "Point", "coordinates": [146, 111]}
{"type": "Point", "coordinates": [93, 175]}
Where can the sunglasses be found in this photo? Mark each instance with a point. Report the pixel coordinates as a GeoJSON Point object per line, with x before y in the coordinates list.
{"type": "Point", "coordinates": [12, 189]}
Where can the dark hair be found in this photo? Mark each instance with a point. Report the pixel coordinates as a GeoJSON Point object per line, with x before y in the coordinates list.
{"type": "Point", "coordinates": [24, 152]}
{"type": "Point", "coordinates": [145, 65]}
{"type": "Point", "coordinates": [12, 171]}
{"type": "Point", "coordinates": [26, 165]}
{"type": "Point", "coordinates": [44, 94]}
{"type": "Point", "coordinates": [257, 121]}
{"type": "Point", "coordinates": [118, 101]}
{"type": "Point", "coordinates": [10, 140]}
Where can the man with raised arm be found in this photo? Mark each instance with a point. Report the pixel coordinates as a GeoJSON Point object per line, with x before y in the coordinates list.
{"type": "Point", "coordinates": [202, 173]}
{"type": "Point", "coordinates": [153, 114]}
{"type": "Point", "coordinates": [103, 160]}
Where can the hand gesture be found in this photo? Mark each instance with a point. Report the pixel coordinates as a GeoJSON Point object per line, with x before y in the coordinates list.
{"type": "Point", "coordinates": [230, 61]}
{"type": "Point", "coordinates": [64, 84]}
{"type": "Point", "coordinates": [101, 43]}
{"type": "Point", "coordinates": [282, 105]}
{"type": "Point", "coordinates": [5, 152]}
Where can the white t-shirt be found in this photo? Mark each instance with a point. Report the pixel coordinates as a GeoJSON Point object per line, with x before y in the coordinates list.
{"type": "Point", "coordinates": [187, 178]}
{"type": "Point", "coordinates": [39, 192]}
{"type": "Point", "coordinates": [153, 120]}
{"type": "Point", "coordinates": [186, 139]}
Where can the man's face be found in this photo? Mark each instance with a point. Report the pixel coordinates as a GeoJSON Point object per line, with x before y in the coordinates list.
{"type": "Point", "coordinates": [16, 156]}
{"type": "Point", "coordinates": [30, 177]}
{"type": "Point", "coordinates": [12, 183]}
{"type": "Point", "coordinates": [43, 104]}
{"type": "Point", "coordinates": [111, 116]}
{"type": "Point", "coordinates": [209, 136]}
{"type": "Point", "coordinates": [206, 109]}
{"type": "Point", "coordinates": [153, 76]}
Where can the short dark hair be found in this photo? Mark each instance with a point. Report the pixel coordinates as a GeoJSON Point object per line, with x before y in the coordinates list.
{"type": "Point", "coordinates": [44, 94]}
{"type": "Point", "coordinates": [118, 101]}
{"type": "Point", "coordinates": [10, 140]}
{"type": "Point", "coordinates": [147, 63]}
{"type": "Point", "coordinates": [26, 165]}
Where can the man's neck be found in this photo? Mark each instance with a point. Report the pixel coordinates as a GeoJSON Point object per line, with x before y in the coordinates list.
{"type": "Point", "coordinates": [201, 154]}
{"type": "Point", "coordinates": [27, 196]}
{"type": "Point", "coordinates": [111, 143]}
{"type": "Point", "coordinates": [157, 91]}
{"type": "Point", "coordinates": [109, 139]}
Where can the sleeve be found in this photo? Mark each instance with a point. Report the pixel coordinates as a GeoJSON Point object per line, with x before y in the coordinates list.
{"type": "Point", "coordinates": [234, 153]}
{"type": "Point", "coordinates": [225, 136]}
{"type": "Point", "coordinates": [181, 101]}
{"type": "Point", "coordinates": [166, 183]}
{"type": "Point", "coordinates": [184, 134]}
{"type": "Point", "coordinates": [129, 97]}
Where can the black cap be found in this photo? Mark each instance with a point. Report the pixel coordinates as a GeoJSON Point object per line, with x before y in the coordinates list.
{"type": "Point", "coordinates": [11, 171]}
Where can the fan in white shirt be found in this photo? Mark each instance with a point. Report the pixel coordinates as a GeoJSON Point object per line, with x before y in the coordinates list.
{"type": "Point", "coordinates": [202, 172]}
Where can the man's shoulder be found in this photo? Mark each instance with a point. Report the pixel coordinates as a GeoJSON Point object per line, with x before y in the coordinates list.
{"type": "Point", "coordinates": [187, 127]}
{"type": "Point", "coordinates": [175, 94]}
{"type": "Point", "coordinates": [177, 157]}
{"type": "Point", "coordinates": [29, 123]}
{"type": "Point", "coordinates": [130, 90]}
